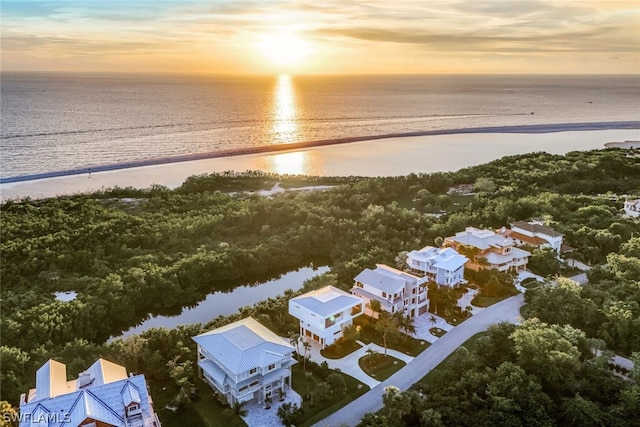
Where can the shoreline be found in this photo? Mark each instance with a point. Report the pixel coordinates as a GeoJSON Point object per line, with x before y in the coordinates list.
{"type": "Point", "coordinates": [372, 158]}
{"type": "Point", "coordinates": [266, 149]}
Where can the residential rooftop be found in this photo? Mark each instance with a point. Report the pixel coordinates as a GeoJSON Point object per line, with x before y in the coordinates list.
{"type": "Point", "coordinates": [327, 301]}
{"type": "Point", "coordinates": [243, 345]}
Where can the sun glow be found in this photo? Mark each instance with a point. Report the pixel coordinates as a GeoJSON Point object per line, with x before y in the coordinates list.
{"type": "Point", "coordinates": [284, 48]}
{"type": "Point", "coordinates": [285, 125]}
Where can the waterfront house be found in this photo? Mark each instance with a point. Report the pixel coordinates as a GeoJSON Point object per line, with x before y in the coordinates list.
{"type": "Point", "coordinates": [533, 233]}
{"type": "Point", "coordinates": [244, 361]}
{"type": "Point", "coordinates": [632, 208]}
{"type": "Point", "coordinates": [443, 266]}
{"type": "Point", "coordinates": [324, 313]}
{"type": "Point", "coordinates": [486, 249]}
{"type": "Point", "coordinates": [103, 395]}
{"type": "Point", "coordinates": [397, 291]}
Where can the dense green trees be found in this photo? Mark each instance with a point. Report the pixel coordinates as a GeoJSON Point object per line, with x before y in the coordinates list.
{"type": "Point", "coordinates": [608, 307]}
{"type": "Point", "coordinates": [131, 252]}
{"type": "Point", "coordinates": [534, 374]}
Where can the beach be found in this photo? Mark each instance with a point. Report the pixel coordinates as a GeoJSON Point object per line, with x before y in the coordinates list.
{"type": "Point", "coordinates": [378, 157]}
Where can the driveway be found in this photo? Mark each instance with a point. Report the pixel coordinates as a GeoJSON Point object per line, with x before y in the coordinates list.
{"type": "Point", "coordinates": [507, 310]}
{"type": "Point", "coordinates": [349, 364]}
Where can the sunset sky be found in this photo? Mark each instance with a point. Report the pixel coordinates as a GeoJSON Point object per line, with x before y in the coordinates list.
{"type": "Point", "coordinates": [323, 37]}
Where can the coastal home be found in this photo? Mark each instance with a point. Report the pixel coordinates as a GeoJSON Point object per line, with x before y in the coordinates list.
{"type": "Point", "coordinates": [394, 289]}
{"type": "Point", "coordinates": [632, 208]}
{"type": "Point", "coordinates": [103, 395]}
{"type": "Point", "coordinates": [533, 233]}
{"type": "Point", "coordinates": [487, 249]}
{"type": "Point", "coordinates": [324, 313]}
{"type": "Point", "coordinates": [244, 361]}
{"type": "Point", "coordinates": [444, 266]}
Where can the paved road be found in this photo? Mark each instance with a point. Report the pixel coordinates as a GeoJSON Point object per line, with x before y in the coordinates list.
{"type": "Point", "coordinates": [350, 415]}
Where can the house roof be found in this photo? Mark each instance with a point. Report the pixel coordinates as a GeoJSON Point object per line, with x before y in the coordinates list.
{"type": "Point", "coordinates": [361, 292]}
{"type": "Point", "coordinates": [536, 228]}
{"type": "Point", "coordinates": [494, 258]}
{"type": "Point", "coordinates": [519, 253]}
{"type": "Point", "coordinates": [327, 301]}
{"type": "Point", "coordinates": [481, 239]}
{"type": "Point", "coordinates": [98, 400]}
{"type": "Point", "coordinates": [443, 258]}
{"type": "Point", "coordinates": [424, 254]}
{"type": "Point", "coordinates": [242, 345]}
{"type": "Point", "coordinates": [385, 278]}
{"type": "Point", "coordinates": [533, 241]}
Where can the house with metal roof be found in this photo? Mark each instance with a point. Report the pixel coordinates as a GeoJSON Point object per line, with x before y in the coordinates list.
{"type": "Point", "coordinates": [632, 207]}
{"type": "Point", "coordinates": [324, 313]}
{"type": "Point", "coordinates": [397, 291]}
{"type": "Point", "coordinates": [487, 249]}
{"type": "Point", "coordinates": [444, 266]}
{"type": "Point", "coordinates": [244, 361]}
{"type": "Point", "coordinates": [103, 395]}
{"type": "Point", "coordinates": [533, 233]}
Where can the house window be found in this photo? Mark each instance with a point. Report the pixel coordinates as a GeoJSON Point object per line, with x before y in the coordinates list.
{"type": "Point", "coordinates": [243, 388]}
{"type": "Point", "coordinates": [384, 295]}
{"type": "Point", "coordinates": [253, 371]}
{"type": "Point", "coordinates": [133, 407]}
{"type": "Point", "coordinates": [413, 291]}
{"type": "Point", "coordinates": [358, 284]}
{"type": "Point", "coordinates": [272, 367]}
{"type": "Point", "coordinates": [255, 383]}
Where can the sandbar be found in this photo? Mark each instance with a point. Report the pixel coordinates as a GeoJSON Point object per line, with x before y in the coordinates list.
{"type": "Point", "coordinates": [379, 157]}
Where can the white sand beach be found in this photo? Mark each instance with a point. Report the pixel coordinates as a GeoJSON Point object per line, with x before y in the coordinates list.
{"type": "Point", "coordinates": [382, 157]}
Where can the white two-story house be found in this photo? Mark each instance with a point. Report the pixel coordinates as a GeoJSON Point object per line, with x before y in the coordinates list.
{"type": "Point", "coordinates": [444, 266]}
{"type": "Point", "coordinates": [394, 289]}
{"type": "Point", "coordinates": [632, 208]}
{"type": "Point", "coordinates": [244, 361]}
{"type": "Point", "coordinates": [324, 313]}
{"type": "Point", "coordinates": [491, 250]}
{"type": "Point", "coordinates": [103, 395]}
{"type": "Point", "coordinates": [533, 233]}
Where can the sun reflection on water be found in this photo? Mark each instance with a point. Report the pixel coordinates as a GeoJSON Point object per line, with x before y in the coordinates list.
{"type": "Point", "coordinates": [285, 126]}
{"type": "Point", "coordinates": [293, 163]}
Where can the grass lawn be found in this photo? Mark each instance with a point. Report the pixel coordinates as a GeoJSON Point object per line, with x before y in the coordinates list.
{"type": "Point", "coordinates": [206, 411]}
{"type": "Point", "coordinates": [531, 284]}
{"type": "Point", "coordinates": [407, 345]}
{"type": "Point", "coordinates": [441, 367]}
{"type": "Point", "coordinates": [437, 332]}
{"type": "Point", "coordinates": [338, 351]}
{"type": "Point", "coordinates": [321, 409]}
{"type": "Point", "coordinates": [455, 320]}
{"type": "Point", "coordinates": [482, 301]}
{"type": "Point", "coordinates": [379, 366]}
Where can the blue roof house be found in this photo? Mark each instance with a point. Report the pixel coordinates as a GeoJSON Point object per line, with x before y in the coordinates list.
{"type": "Point", "coordinates": [244, 361]}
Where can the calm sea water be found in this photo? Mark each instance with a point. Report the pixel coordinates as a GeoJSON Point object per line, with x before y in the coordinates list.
{"type": "Point", "coordinates": [53, 122]}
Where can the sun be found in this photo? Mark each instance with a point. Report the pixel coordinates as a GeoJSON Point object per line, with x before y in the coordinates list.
{"type": "Point", "coordinates": [284, 48]}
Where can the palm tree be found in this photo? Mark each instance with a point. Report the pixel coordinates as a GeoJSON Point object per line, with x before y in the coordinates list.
{"type": "Point", "coordinates": [287, 412]}
{"type": "Point", "coordinates": [306, 346]}
{"type": "Point", "coordinates": [387, 327]}
{"type": "Point", "coordinates": [294, 339]}
{"type": "Point", "coordinates": [376, 308]}
{"type": "Point", "coordinates": [405, 322]}
{"type": "Point", "coordinates": [238, 408]}
{"type": "Point", "coordinates": [371, 355]}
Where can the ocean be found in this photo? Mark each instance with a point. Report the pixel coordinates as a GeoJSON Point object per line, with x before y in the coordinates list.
{"type": "Point", "coordinates": [59, 121]}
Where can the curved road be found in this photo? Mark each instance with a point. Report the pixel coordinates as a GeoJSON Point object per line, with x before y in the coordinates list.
{"type": "Point", "coordinates": [350, 415]}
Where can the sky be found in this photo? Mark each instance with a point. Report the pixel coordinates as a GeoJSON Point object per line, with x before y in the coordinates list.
{"type": "Point", "coordinates": [323, 36]}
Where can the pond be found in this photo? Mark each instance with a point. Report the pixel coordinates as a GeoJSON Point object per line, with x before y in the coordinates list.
{"type": "Point", "coordinates": [221, 303]}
